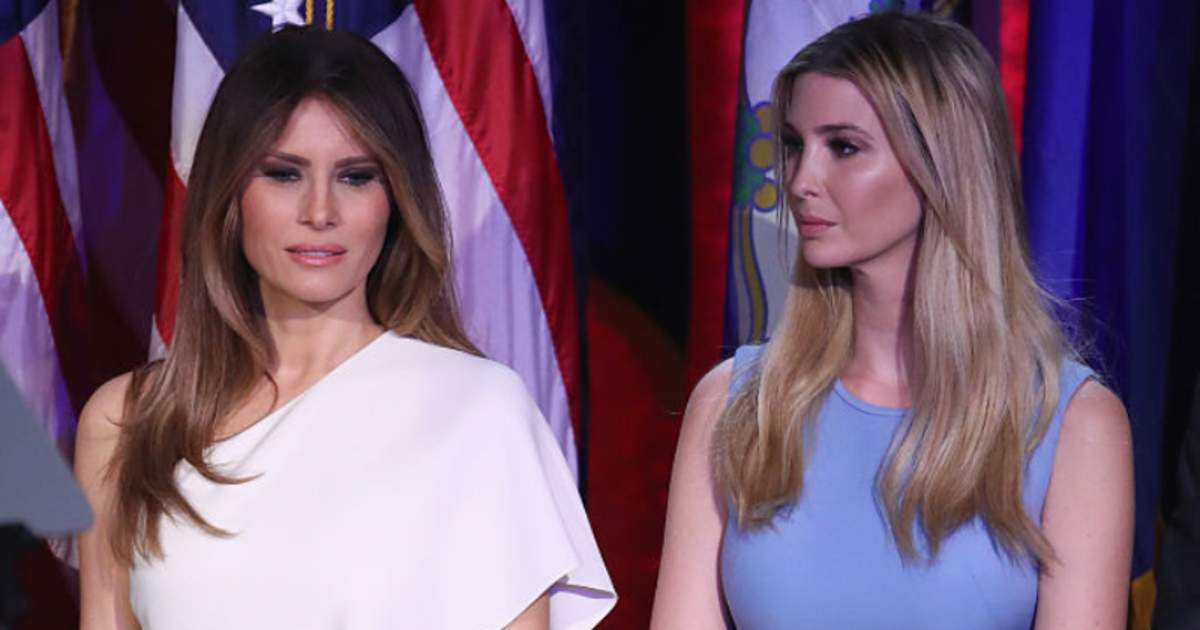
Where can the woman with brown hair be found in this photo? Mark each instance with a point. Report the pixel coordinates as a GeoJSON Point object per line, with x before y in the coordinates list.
{"type": "Point", "coordinates": [917, 446]}
{"type": "Point", "coordinates": [322, 445]}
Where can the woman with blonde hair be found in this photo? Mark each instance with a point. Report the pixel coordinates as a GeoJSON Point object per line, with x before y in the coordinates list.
{"type": "Point", "coordinates": [917, 446]}
{"type": "Point", "coordinates": [323, 446]}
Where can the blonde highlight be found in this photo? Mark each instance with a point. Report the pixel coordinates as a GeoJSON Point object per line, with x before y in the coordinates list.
{"type": "Point", "coordinates": [987, 351]}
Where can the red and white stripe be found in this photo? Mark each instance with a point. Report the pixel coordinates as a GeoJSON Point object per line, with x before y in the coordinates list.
{"type": "Point", "coordinates": [43, 323]}
{"type": "Point", "coordinates": [482, 78]}
{"type": "Point", "coordinates": [530, 18]}
{"type": "Point", "coordinates": [197, 75]}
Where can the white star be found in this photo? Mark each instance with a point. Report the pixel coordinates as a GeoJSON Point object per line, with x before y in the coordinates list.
{"type": "Point", "coordinates": [282, 12]}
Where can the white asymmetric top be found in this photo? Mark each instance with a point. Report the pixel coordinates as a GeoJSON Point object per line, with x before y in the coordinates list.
{"type": "Point", "coordinates": [412, 487]}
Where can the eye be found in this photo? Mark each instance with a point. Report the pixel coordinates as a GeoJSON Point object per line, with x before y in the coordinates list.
{"type": "Point", "coordinates": [359, 177]}
{"type": "Point", "coordinates": [282, 174]}
{"type": "Point", "coordinates": [842, 147]}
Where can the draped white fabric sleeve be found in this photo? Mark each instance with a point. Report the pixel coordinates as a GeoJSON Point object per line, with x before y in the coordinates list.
{"type": "Point", "coordinates": [533, 534]}
{"type": "Point", "coordinates": [412, 487]}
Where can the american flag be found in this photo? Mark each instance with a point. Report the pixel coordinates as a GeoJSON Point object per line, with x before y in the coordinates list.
{"type": "Point", "coordinates": [45, 345]}
{"type": "Point", "coordinates": [481, 73]}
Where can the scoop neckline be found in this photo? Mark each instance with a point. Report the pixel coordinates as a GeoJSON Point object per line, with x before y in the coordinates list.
{"type": "Point", "coordinates": [264, 421]}
{"type": "Point", "coordinates": [864, 406]}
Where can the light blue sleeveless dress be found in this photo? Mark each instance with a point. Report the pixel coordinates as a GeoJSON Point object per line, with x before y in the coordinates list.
{"type": "Point", "coordinates": [828, 561]}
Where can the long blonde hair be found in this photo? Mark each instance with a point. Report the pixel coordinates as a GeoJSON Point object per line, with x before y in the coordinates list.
{"type": "Point", "coordinates": [987, 351]}
{"type": "Point", "coordinates": [221, 348]}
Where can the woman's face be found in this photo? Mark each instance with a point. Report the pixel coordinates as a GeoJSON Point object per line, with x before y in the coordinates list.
{"type": "Point", "coordinates": [852, 202]}
{"type": "Point", "coordinates": [314, 214]}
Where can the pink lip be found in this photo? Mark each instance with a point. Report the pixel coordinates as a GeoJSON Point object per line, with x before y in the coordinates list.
{"type": "Point", "coordinates": [812, 226]}
{"type": "Point", "coordinates": [316, 254]}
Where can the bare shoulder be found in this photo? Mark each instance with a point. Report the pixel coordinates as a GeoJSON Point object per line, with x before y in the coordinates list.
{"type": "Point", "coordinates": [101, 416]}
{"type": "Point", "coordinates": [99, 430]}
{"type": "Point", "coordinates": [1088, 515]}
{"type": "Point", "coordinates": [1095, 447]}
{"type": "Point", "coordinates": [1091, 484]}
{"type": "Point", "coordinates": [103, 581]}
{"type": "Point", "coordinates": [698, 435]}
{"type": "Point", "coordinates": [689, 593]}
{"type": "Point", "coordinates": [709, 398]}
{"type": "Point", "coordinates": [1095, 421]}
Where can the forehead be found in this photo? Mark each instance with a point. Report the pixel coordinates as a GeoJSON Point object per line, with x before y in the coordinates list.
{"type": "Point", "coordinates": [820, 99]}
{"type": "Point", "coordinates": [317, 125]}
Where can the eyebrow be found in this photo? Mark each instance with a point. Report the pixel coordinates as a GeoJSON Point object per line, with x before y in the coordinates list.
{"type": "Point", "coordinates": [840, 127]}
{"type": "Point", "coordinates": [299, 161]}
{"type": "Point", "coordinates": [829, 129]}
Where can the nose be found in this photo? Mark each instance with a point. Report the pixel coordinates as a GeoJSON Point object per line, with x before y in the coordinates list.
{"type": "Point", "coordinates": [319, 209]}
{"type": "Point", "coordinates": [803, 176]}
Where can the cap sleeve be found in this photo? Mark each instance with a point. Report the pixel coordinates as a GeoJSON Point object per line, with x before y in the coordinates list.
{"type": "Point", "coordinates": [745, 361]}
{"type": "Point", "coordinates": [1040, 464]}
{"type": "Point", "coordinates": [526, 529]}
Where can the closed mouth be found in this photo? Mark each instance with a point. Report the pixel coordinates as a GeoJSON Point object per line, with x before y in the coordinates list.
{"type": "Point", "coordinates": [316, 251]}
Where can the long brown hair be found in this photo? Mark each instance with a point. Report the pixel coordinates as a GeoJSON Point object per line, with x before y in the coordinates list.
{"type": "Point", "coordinates": [987, 351]}
{"type": "Point", "coordinates": [221, 348]}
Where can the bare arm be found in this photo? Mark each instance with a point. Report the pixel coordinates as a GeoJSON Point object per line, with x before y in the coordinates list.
{"type": "Point", "coordinates": [104, 583]}
{"type": "Point", "coordinates": [689, 590]}
{"type": "Point", "coordinates": [1088, 516]}
{"type": "Point", "coordinates": [536, 617]}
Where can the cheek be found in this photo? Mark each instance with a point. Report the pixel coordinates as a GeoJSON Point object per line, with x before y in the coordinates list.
{"type": "Point", "coordinates": [259, 224]}
{"type": "Point", "coordinates": [902, 211]}
{"type": "Point", "coordinates": [879, 201]}
{"type": "Point", "coordinates": [373, 229]}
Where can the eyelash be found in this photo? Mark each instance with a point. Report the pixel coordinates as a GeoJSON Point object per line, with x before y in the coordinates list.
{"type": "Point", "coordinates": [355, 177]}
{"type": "Point", "coordinates": [282, 175]}
{"type": "Point", "coordinates": [842, 148]}
{"type": "Point", "coordinates": [358, 177]}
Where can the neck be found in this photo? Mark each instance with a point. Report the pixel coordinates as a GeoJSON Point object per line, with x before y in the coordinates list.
{"type": "Point", "coordinates": [311, 340]}
{"type": "Point", "coordinates": [882, 351]}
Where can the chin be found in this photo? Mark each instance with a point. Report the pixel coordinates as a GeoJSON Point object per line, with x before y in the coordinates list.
{"type": "Point", "coordinates": [816, 258]}
{"type": "Point", "coordinates": [315, 294]}
{"type": "Point", "coordinates": [319, 298]}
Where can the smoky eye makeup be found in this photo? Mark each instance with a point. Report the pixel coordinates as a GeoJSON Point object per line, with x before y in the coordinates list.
{"type": "Point", "coordinates": [849, 134]}
{"type": "Point", "coordinates": [279, 171]}
{"type": "Point", "coordinates": [360, 174]}
{"type": "Point", "coordinates": [842, 146]}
